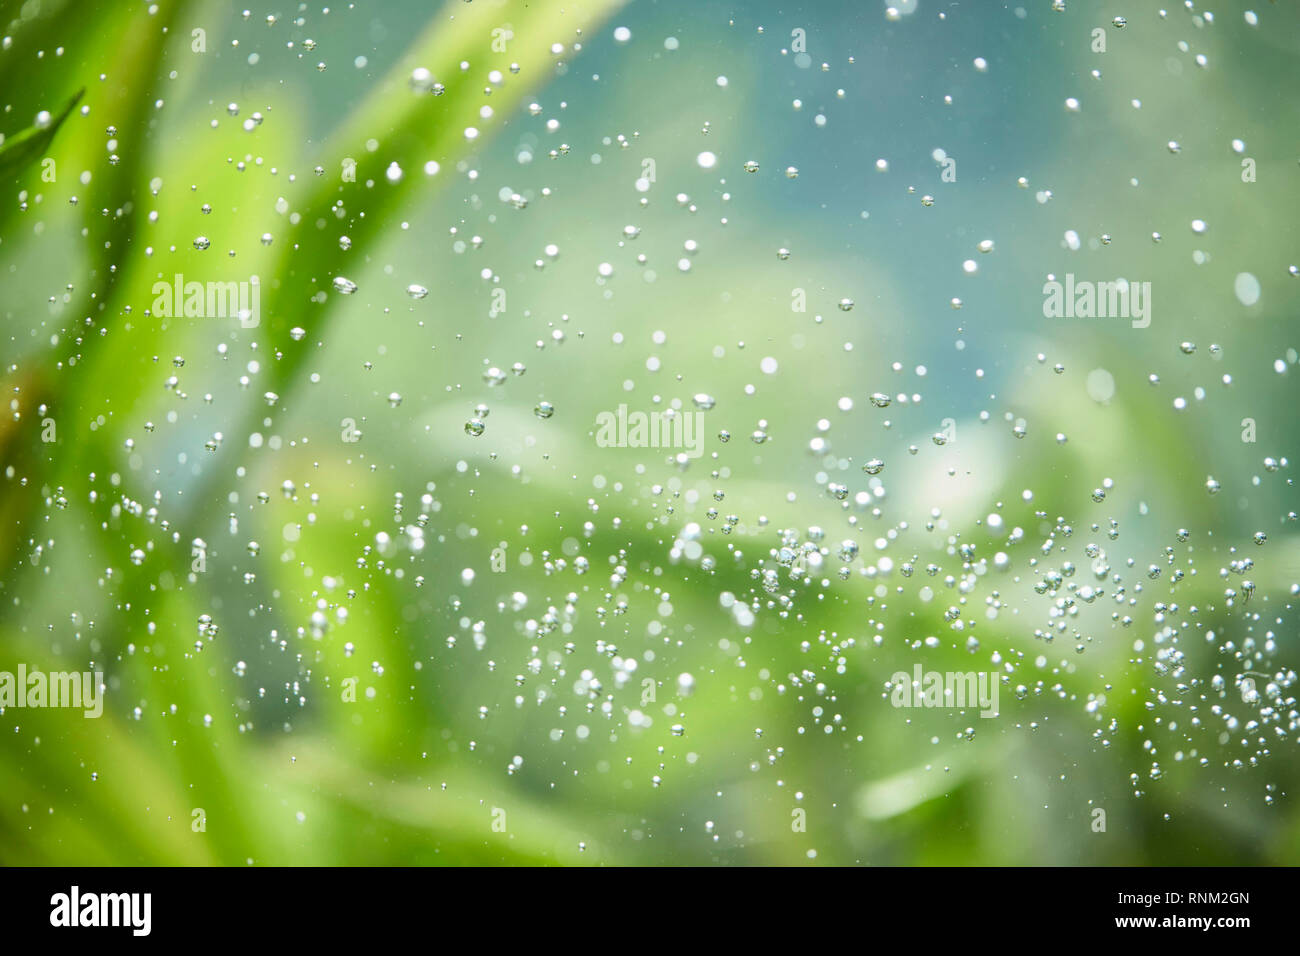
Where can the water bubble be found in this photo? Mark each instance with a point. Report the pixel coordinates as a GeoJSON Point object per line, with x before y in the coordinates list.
{"type": "Point", "coordinates": [416, 291]}
{"type": "Point", "coordinates": [544, 410]}
{"type": "Point", "coordinates": [474, 428]}
{"type": "Point", "coordinates": [1247, 288]}
{"type": "Point", "coordinates": [344, 286]}
{"type": "Point", "coordinates": [421, 80]}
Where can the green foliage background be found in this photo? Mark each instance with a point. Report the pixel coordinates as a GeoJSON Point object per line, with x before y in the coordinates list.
{"type": "Point", "coordinates": [253, 729]}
